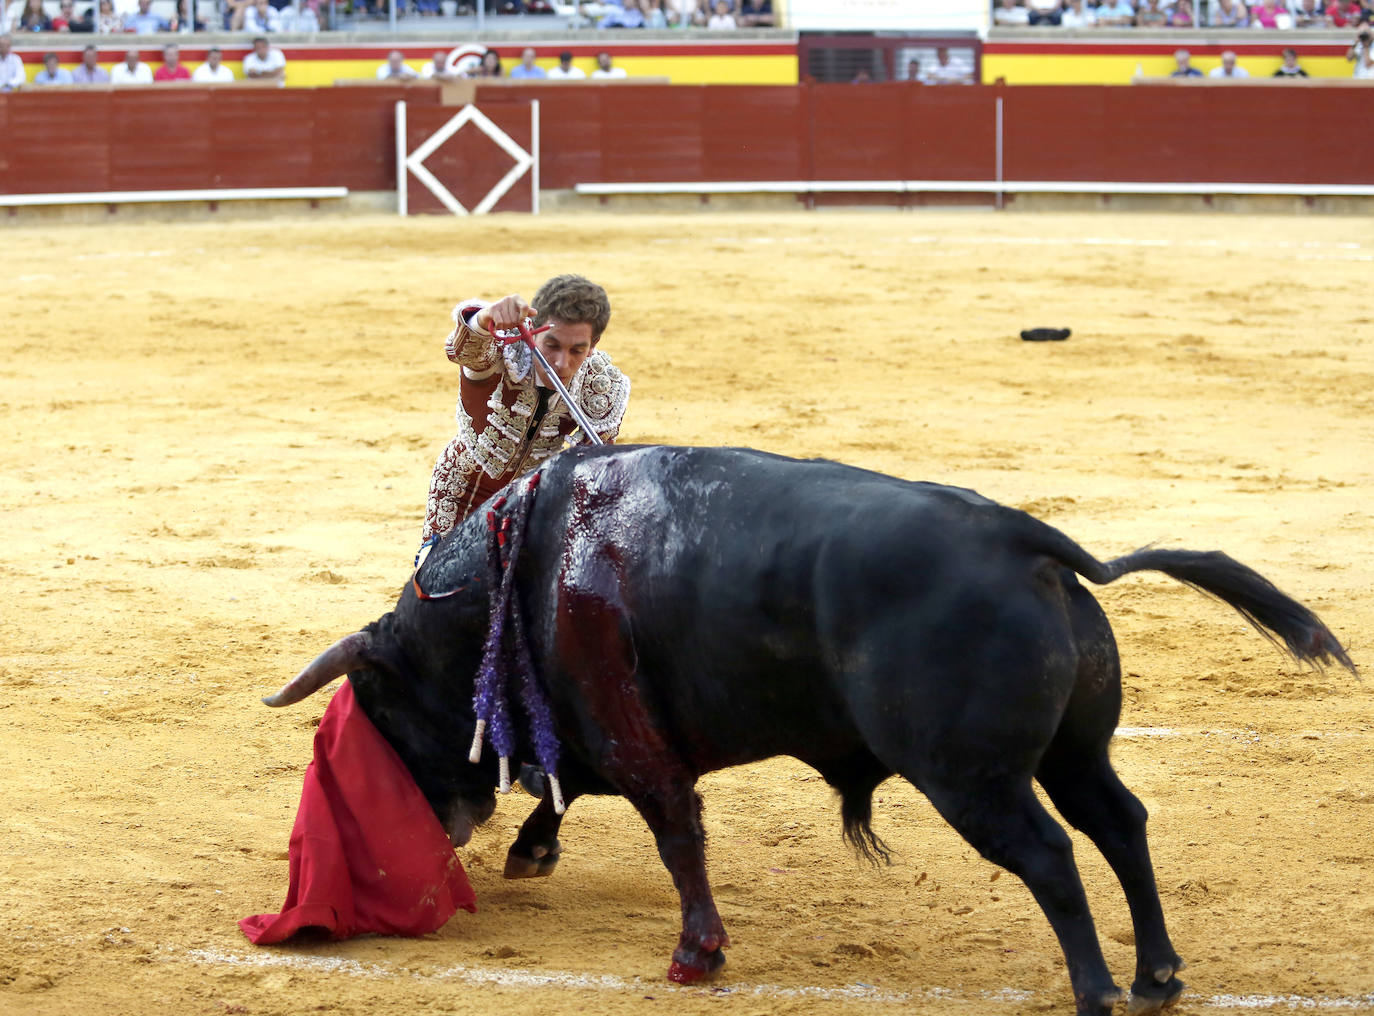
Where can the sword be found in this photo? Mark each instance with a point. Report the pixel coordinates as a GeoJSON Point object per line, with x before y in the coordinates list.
{"type": "Point", "coordinates": [526, 336]}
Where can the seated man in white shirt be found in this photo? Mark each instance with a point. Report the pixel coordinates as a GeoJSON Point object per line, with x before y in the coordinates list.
{"type": "Point", "coordinates": [131, 71]}
{"type": "Point", "coordinates": [395, 68]}
{"type": "Point", "coordinates": [945, 71]}
{"type": "Point", "coordinates": [437, 69]}
{"type": "Point", "coordinates": [1010, 13]}
{"type": "Point", "coordinates": [1228, 68]}
{"type": "Point", "coordinates": [565, 71]}
{"type": "Point", "coordinates": [604, 68]}
{"type": "Point", "coordinates": [212, 72]}
{"type": "Point", "coordinates": [261, 17]}
{"type": "Point", "coordinates": [265, 63]}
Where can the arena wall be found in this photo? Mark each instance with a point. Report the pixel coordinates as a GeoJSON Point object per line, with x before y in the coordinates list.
{"type": "Point", "coordinates": [1018, 57]}
{"type": "Point", "coordinates": [145, 139]}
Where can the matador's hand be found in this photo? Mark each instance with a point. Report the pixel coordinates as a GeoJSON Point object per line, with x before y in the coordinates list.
{"type": "Point", "coordinates": [505, 314]}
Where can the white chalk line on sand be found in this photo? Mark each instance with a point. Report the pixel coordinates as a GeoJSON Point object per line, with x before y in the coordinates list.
{"type": "Point", "coordinates": [515, 977]}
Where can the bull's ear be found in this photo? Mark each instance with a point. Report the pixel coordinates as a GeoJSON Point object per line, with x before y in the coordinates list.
{"type": "Point", "coordinates": [336, 661]}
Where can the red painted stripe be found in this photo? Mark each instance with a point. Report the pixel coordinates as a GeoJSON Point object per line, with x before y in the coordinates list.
{"type": "Point", "coordinates": [509, 51]}
{"type": "Point", "coordinates": [1159, 48]}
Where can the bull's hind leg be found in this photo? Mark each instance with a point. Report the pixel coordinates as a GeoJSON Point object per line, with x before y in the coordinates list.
{"type": "Point", "coordinates": [1091, 797]}
{"type": "Point", "coordinates": [1005, 822]}
{"type": "Point", "coordinates": [1078, 776]}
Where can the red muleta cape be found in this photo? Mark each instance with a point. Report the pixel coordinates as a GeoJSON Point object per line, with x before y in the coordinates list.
{"type": "Point", "coordinates": [367, 853]}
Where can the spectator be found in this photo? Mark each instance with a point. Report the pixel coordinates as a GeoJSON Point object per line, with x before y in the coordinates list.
{"type": "Point", "coordinates": [66, 14]}
{"type": "Point", "coordinates": [565, 71]}
{"type": "Point", "coordinates": [108, 20]}
{"type": "Point", "coordinates": [184, 20]}
{"type": "Point", "coordinates": [527, 68]}
{"type": "Point", "coordinates": [604, 68]}
{"type": "Point", "coordinates": [33, 19]}
{"type": "Point", "coordinates": [700, 13]}
{"type": "Point", "coordinates": [426, 8]}
{"type": "Point", "coordinates": [1308, 14]}
{"type": "Point", "coordinates": [1228, 68]}
{"type": "Point", "coordinates": [1114, 13]}
{"type": "Point", "coordinates": [490, 67]}
{"type": "Point", "coordinates": [1289, 68]}
{"type": "Point", "coordinates": [305, 17]}
{"type": "Point", "coordinates": [1359, 54]}
{"type": "Point", "coordinates": [945, 71]}
{"type": "Point", "coordinates": [628, 16]}
{"type": "Point", "coordinates": [1045, 12]}
{"type": "Point", "coordinates": [145, 22]}
{"type": "Point", "coordinates": [1268, 14]}
{"type": "Point", "coordinates": [265, 63]}
{"type": "Point", "coordinates": [260, 17]}
{"type": "Point", "coordinates": [1183, 65]}
{"type": "Point", "coordinates": [212, 72]}
{"type": "Point", "coordinates": [437, 69]}
{"type": "Point", "coordinates": [395, 68]}
{"type": "Point", "coordinates": [131, 71]}
{"type": "Point", "coordinates": [913, 71]}
{"type": "Point", "coordinates": [1228, 14]}
{"type": "Point", "coordinates": [1340, 15]}
{"type": "Point", "coordinates": [172, 68]}
{"type": "Point", "coordinates": [1151, 15]}
{"type": "Point", "coordinates": [89, 71]}
{"type": "Point", "coordinates": [722, 20]}
{"type": "Point", "coordinates": [52, 74]}
{"type": "Point", "coordinates": [11, 66]}
{"type": "Point", "coordinates": [1077, 16]}
{"type": "Point", "coordinates": [1010, 13]}
{"type": "Point", "coordinates": [655, 15]}
{"type": "Point", "coordinates": [1182, 15]}
{"type": "Point", "coordinates": [755, 14]}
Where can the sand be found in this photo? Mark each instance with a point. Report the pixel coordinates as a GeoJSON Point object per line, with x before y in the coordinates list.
{"type": "Point", "coordinates": [219, 441]}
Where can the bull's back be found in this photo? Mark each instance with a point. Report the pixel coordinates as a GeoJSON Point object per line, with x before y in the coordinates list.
{"type": "Point", "coordinates": [751, 581]}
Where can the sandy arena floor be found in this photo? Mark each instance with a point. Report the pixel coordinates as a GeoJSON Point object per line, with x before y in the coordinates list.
{"type": "Point", "coordinates": [220, 441]}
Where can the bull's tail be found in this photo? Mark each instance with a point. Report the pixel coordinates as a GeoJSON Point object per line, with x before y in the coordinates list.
{"type": "Point", "coordinates": [1274, 614]}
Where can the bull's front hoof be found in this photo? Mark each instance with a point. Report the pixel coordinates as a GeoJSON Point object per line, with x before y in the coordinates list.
{"type": "Point", "coordinates": [538, 863]}
{"type": "Point", "coordinates": [697, 958]}
{"type": "Point", "coordinates": [703, 966]}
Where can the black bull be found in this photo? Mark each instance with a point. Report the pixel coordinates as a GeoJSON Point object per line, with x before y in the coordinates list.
{"type": "Point", "coordinates": [690, 609]}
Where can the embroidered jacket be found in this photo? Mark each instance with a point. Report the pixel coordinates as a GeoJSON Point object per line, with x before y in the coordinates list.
{"type": "Point", "coordinates": [507, 424]}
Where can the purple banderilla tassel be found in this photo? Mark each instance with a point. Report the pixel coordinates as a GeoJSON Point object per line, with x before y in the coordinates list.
{"type": "Point", "coordinates": [506, 652]}
{"type": "Point", "coordinates": [489, 690]}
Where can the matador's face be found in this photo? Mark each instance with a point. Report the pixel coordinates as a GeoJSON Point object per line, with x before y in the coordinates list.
{"type": "Point", "coordinates": [566, 347]}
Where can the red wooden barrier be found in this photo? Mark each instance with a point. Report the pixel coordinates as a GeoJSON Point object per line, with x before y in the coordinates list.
{"type": "Point", "coordinates": [187, 138]}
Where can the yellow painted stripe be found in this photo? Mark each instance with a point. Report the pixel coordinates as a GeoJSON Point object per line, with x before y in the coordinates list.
{"type": "Point", "coordinates": [1118, 69]}
{"type": "Point", "coordinates": [770, 69]}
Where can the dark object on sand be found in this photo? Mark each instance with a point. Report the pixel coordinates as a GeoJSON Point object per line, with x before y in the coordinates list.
{"type": "Point", "coordinates": [1045, 334]}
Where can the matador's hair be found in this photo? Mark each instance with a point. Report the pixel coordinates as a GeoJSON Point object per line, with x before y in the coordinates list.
{"type": "Point", "coordinates": [574, 300]}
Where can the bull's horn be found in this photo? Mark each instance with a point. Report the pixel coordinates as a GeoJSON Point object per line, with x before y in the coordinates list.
{"type": "Point", "coordinates": [336, 661]}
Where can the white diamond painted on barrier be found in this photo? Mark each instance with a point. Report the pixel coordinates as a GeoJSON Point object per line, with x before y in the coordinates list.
{"type": "Point", "coordinates": [469, 114]}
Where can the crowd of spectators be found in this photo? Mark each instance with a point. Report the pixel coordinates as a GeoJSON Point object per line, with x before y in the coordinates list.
{"type": "Point", "coordinates": [264, 63]}
{"type": "Point", "coordinates": [1271, 14]}
{"type": "Point", "coordinates": [489, 66]}
{"type": "Point", "coordinates": [716, 15]}
{"type": "Point", "coordinates": [267, 16]}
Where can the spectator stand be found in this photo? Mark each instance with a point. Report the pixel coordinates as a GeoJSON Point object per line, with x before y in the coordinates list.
{"type": "Point", "coordinates": [1118, 56]}
{"type": "Point", "coordinates": [867, 57]}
